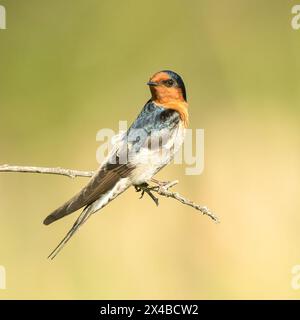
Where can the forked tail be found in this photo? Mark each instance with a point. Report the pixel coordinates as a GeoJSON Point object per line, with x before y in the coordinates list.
{"type": "Point", "coordinates": [86, 213]}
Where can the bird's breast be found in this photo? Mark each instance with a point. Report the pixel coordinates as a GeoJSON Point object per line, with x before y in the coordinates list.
{"type": "Point", "coordinates": [157, 151]}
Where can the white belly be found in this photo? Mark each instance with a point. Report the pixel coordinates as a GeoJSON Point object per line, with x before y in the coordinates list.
{"type": "Point", "coordinates": [148, 161]}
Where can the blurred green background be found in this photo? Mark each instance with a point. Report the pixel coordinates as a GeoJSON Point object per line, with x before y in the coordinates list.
{"type": "Point", "coordinates": [69, 68]}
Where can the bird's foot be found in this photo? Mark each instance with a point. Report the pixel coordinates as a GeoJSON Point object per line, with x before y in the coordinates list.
{"type": "Point", "coordinates": [144, 187]}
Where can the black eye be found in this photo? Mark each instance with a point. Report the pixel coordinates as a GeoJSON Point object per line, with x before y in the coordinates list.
{"type": "Point", "coordinates": [169, 83]}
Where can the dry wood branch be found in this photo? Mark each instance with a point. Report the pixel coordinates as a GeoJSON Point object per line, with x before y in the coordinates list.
{"type": "Point", "coordinates": [161, 188]}
{"type": "Point", "coordinates": [59, 171]}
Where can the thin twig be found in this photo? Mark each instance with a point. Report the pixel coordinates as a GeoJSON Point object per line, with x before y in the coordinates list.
{"type": "Point", "coordinates": [162, 188]}
{"type": "Point", "coordinates": [59, 171]}
{"type": "Point", "coordinates": [164, 191]}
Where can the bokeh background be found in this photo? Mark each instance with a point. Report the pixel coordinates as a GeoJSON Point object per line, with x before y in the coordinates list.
{"type": "Point", "coordinates": [69, 68]}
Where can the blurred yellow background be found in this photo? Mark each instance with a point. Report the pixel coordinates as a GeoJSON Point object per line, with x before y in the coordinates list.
{"type": "Point", "coordinates": [69, 68]}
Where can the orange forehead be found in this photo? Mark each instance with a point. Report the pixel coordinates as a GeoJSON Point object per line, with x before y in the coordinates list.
{"type": "Point", "coordinates": [160, 76]}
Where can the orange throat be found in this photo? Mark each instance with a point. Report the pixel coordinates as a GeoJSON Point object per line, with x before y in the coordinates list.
{"type": "Point", "coordinates": [171, 98]}
{"type": "Point", "coordinates": [180, 106]}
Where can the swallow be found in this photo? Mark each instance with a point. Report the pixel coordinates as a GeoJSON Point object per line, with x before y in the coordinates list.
{"type": "Point", "coordinates": [148, 145]}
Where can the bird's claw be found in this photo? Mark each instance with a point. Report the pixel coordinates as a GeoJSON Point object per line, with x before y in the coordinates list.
{"type": "Point", "coordinates": [145, 188]}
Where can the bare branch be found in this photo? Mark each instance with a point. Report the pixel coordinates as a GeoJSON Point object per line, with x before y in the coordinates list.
{"type": "Point", "coordinates": [162, 188]}
{"type": "Point", "coordinates": [59, 171]}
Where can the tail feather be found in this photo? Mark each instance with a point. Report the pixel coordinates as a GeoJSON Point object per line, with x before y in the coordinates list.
{"type": "Point", "coordinates": [86, 213]}
{"type": "Point", "coordinates": [119, 188]}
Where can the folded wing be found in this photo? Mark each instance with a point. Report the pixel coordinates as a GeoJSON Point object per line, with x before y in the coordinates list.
{"type": "Point", "coordinates": [103, 180]}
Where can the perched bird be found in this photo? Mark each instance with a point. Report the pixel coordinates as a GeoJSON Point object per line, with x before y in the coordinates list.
{"type": "Point", "coordinates": [147, 146]}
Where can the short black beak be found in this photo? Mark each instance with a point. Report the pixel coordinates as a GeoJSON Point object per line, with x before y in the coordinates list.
{"type": "Point", "coordinates": [151, 83]}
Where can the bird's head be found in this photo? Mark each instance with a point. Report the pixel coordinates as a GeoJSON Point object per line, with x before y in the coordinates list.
{"type": "Point", "coordinates": [167, 86]}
